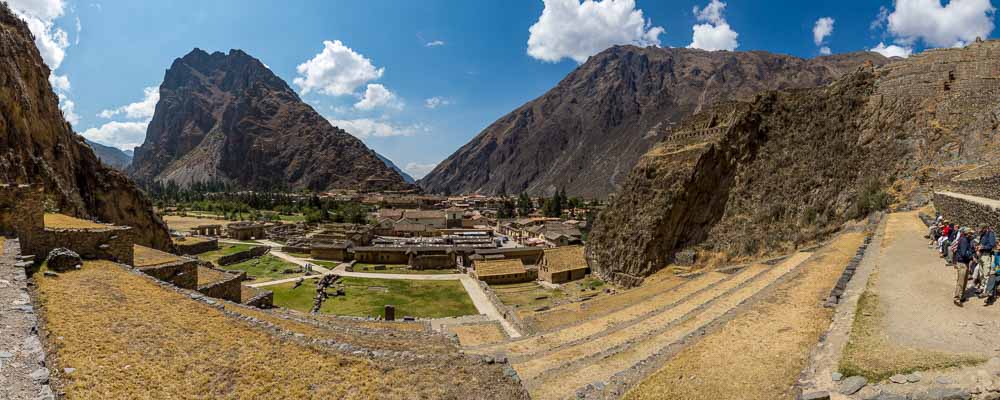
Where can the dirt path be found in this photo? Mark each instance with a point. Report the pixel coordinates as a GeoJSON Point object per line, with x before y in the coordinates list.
{"type": "Point", "coordinates": [915, 289]}
{"type": "Point", "coordinates": [758, 354]}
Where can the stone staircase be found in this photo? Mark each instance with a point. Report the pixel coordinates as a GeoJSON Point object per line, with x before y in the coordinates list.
{"type": "Point", "coordinates": [580, 359]}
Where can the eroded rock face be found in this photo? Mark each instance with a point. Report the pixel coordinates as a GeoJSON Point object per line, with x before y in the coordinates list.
{"type": "Point", "coordinates": [791, 167]}
{"type": "Point", "coordinates": [228, 118]}
{"type": "Point", "coordinates": [38, 147]}
{"type": "Point", "coordinates": [588, 132]}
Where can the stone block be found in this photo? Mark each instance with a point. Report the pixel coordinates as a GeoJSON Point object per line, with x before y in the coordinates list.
{"type": "Point", "coordinates": [62, 259]}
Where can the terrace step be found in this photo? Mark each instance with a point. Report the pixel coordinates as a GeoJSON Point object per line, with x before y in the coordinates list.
{"type": "Point", "coordinates": [571, 368]}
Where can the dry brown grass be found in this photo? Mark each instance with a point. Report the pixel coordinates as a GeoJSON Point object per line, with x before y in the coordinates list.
{"type": "Point", "coordinates": [60, 221]}
{"type": "Point", "coordinates": [2, 239]}
{"type": "Point", "coordinates": [207, 276]}
{"type": "Point", "coordinates": [479, 334]}
{"type": "Point", "coordinates": [184, 224]}
{"type": "Point", "coordinates": [760, 353]}
{"type": "Point", "coordinates": [147, 257]}
{"type": "Point", "coordinates": [869, 352]}
{"type": "Point", "coordinates": [129, 338]}
{"type": "Point", "coordinates": [191, 240]}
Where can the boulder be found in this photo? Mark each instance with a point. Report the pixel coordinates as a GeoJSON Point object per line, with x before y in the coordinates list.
{"type": "Point", "coordinates": [62, 260]}
{"type": "Point", "coordinates": [852, 385]}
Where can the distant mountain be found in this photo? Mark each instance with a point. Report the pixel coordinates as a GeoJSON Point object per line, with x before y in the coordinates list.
{"type": "Point", "coordinates": [387, 161]}
{"type": "Point", "coordinates": [227, 117]}
{"type": "Point", "coordinates": [130, 154]}
{"type": "Point", "coordinates": [587, 132]}
{"type": "Point", "coordinates": [111, 156]}
{"type": "Point", "coordinates": [40, 148]}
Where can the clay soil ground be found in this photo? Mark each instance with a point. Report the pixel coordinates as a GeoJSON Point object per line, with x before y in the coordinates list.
{"type": "Point", "coordinates": [760, 353]}
{"type": "Point", "coordinates": [127, 337]}
{"type": "Point", "coordinates": [367, 297]}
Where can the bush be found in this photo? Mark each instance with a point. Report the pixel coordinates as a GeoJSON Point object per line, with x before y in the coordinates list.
{"type": "Point", "coordinates": [871, 198]}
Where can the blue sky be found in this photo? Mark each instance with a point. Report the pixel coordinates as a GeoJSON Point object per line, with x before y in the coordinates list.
{"type": "Point", "coordinates": [480, 68]}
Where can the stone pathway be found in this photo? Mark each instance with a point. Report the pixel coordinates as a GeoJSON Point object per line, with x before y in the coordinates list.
{"type": "Point", "coordinates": [23, 374]}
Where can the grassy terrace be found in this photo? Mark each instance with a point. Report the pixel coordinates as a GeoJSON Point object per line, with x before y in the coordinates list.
{"type": "Point", "coordinates": [225, 249]}
{"type": "Point", "coordinates": [367, 297]}
{"type": "Point", "coordinates": [60, 221]}
{"type": "Point", "coordinates": [400, 269]}
{"type": "Point", "coordinates": [527, 295]}
{"type": "Point", "coordinates": [129, 338]}
{"type": "Point", "coordinates": [147, 257]}
{"type": "Point", "coordinates": [266, 268]}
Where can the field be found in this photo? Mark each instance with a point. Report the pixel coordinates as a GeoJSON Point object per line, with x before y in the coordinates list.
{"type": "Point", "coordinates": [184, 224]}
{"type": "Point", "coordinates": [225, 249]}
{"type": "Point", "coordinates": [367, 297]}
{"type": "Point", "coordinates": [399, 269]}
{"type": "Point", "coordinates": [60, 221]}
{"type": "Point", "coordinates": [527, 296]}
{"type": "Point", "coordinates": [266, 268]}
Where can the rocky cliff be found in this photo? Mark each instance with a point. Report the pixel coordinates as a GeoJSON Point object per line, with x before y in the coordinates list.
{"type": "Point", "coordinates": [38, 147]}
{"type": "Point", "coordinates": [227, 117]}
{"type": "Point", "coordinates": [790, 167]}
{"type": "Point", "coordinates": [587, 133]}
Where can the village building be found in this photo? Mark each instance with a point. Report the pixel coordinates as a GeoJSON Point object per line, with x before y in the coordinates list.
{"type": "Point", "coordinates": [554, 234]}
{"type": "Point", "coordinates": [337, 251]}
{"type": "Point", "coordinates": [563, 264]}
{"type": "Point", "coordinates": [527, 255]}
{"type": "Point", "coordinates": [502, 271]}
{"type": "Point", "coordinates": [246, 230]}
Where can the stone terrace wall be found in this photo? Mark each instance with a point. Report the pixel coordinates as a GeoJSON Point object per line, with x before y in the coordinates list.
{"type": "Point", "coordinates": [261, 298]}
{"type": "Point", "coordinates": [988, 187]}
{"type": "Point", "coordinates": [201, 246]}
{"type": "Point", "coordinates": [183, 273]}
{"type": "Point", "coordinates": [966, 213]}
{"type": "Point", "coordinates": [112, 243]}
{"type": "Point", "coordinates": [227, 289]}
{"type": "Point", "coordinates": [508, 312]}
{"type": "Point", "coordinates": [21, 214]}
{"type": "Point", "coordinates": [244, 255]}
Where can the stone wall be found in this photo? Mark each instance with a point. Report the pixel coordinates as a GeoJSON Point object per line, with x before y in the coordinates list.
{"type": "Point", "coordinates": [508, 312]}
{"type": "Point", "coordinates": [21, 214]}
{"type": "Point", "coordinates": [227, 289]}
{"type": "Point", "coordinates": [433, 261]}
{"type": "Point", "coordinates": [988, 187]}
{"type": "Point", "coordinates": [184, 273]}
{"type": "Point", "coordinates": [966, 213]}
{"type": "Point", "coordinates": [196, 247]}
{"type": "Point", "coordinates": [259, 298]}
{"type": "Point", "coordinates": [112, 243]}
{"type": "Point", "coordinates": [244, 255]}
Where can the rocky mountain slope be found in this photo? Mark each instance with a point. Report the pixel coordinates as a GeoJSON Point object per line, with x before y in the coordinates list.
{"type": "Point", "coordinates": [38, 147]}
{"type": "Point", "coordinates": [227, 117]}
{"type": "Point", "coordinates": [790, 167]}
{"type": "Point", "coordinates": [587, 133]}
{"type": "Point", "coordinates": [111, 156]}
{"type": "Point", "coordinates": [406, 177]}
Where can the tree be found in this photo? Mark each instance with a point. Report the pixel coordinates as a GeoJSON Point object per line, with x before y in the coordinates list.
{"type": "Point", "coordinates": [524, 205]}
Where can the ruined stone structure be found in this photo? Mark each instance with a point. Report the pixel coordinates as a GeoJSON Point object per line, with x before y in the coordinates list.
{"type": "Point", "coordinates": [246, 230]}
{"type": "Point", "coordinates": [196, 245]}
{"type": "Point", "coordinates": [966, 213]}
{"type": "Point", "coordinates": [220, 284]}
{"type": "Point", "coordinates": [338, 251]}
{"type": "Point", "coordinates": [207, 230]}
{"type": "Point", "coordinates": [21, 214]}
{"type": "Point", "coordinates": [234, 258]}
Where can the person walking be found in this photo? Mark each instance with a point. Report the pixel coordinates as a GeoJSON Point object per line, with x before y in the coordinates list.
{"type": "Point", "coordinates": [963, 255]}
{"type": "Point", "coordinates": [991, 282]}
{"type": "Point", "coordinates": [984, 249]}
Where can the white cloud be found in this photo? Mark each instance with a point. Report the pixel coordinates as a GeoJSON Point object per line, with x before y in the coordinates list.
{"type": "Point", "coordinates": [715, 33]}
{"type": "Point", "coordinates": [436, 101]}
{"type": "Point", "coordinates": [60, 83]}
{"type": "Point", "coordinates": [822, 29]}
{"type": "Point", "coordinates": [68, 108]}
{"type": "Point", "coordinates": [571, 29]}
{"type": "Point", "coordinates": [376, 96]}
{"type": "Point", "coordinates": [955, 24]}
{"type": "Point", "coordinates": [417, 170]}
{"type": "Point", "coordinates": [892, 50]}
{"type": "Point", "coordinates": [365, 127]}
{"type": "Point", "coordinates": [142, 109]}
{"type": "Point", "coordinates": [881, 20]}
{"type": "Point", "coordinates": [825, 51]}
{"type": "Point", "coordinates": [435, 43]}
{"type": "Point", "coordinates": [123, 135]}
{"type": "Point", "coordinates": [337, 70]}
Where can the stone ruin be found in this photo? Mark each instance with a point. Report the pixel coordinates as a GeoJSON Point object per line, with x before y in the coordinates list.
{"type": "Point", "coordinates": [322, 285]}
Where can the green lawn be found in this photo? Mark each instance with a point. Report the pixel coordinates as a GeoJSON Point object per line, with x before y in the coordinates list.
{"type": "Point", "coordinates": [266, 268]}
{"type": "Point", "coordinates": [225, 249]}
{"type": "Point", "coordinates": [299, 255]}
{"type": "Point", "coordinates": [367, 297]}
{"type": "Point", "coordinates": [400, 269]}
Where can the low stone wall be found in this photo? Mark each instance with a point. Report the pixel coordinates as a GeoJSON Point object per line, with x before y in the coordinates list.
{"type": "Point", "coordinates": [196, 247]}
{"type": "Point", "coordinates": [259, 298]}
{"type": "Point", "coordinates": [243, 255]}
{"type": "Point", "coordinates": [508, 312]}
{"type": "Point", "coordinates": [227, 289]}
{"type": "Point", "coordinates": [112, 243]}
{"type": "Point", "coordinates": [988, 187]}
{"type": "Point", "coordinates": [966, 213]}
{"type": "Point", "coordinates": [183, 273]}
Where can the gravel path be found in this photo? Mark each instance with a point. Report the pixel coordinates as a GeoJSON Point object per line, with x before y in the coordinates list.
{"type": "Point", "coordinates": [915, 287]}
{"type": "Point", "coordinates": [22, 371]}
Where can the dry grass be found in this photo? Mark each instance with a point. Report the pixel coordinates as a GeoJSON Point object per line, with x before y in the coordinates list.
{"type": "Point", "coordinates": [208, 276]}
{"type": "Point", "coordinates": [60, 221]}
{"type": "Point", "coordinates": [760, 353]}
{"type": "Point", "coordinates": [129, 338]}
{"type": "Point", "coordinates": [191, 240]}
{"type": "Point", "coordinates": [869, 352]}
{"type": "Point", "coordinates": [2, 243]}
{"type": "Point", "coordinates": [147, 257]}
{"type": "Point", "coordinates": [478, 334]}
{"type": "Point", "coordinates": [184, 224]}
